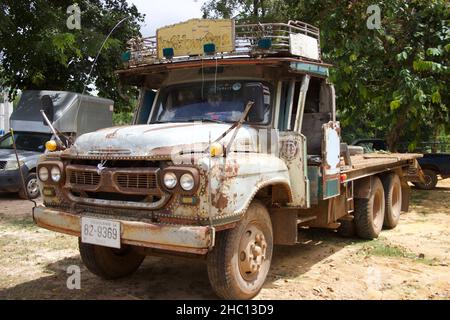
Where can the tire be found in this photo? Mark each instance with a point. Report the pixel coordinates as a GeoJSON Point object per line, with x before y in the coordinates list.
{"type": "Point", "coordinates": [109, 263]}
{"type": "Point", "coordinates": [430, 180]}
{"type": "Point", "coordinates": [231, 275]}
{"type": "Point", "coordinates": [346, 229]}
{"type": "Point", "coordinates": [369, 213]}
{"type": "Point", "coordinates": [32, 188]}
{"type": "Point", "coordinates": [393, 200]}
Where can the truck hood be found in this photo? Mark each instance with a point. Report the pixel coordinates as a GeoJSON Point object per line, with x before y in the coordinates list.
{"type": "Point", "coordinates": [159, 139]}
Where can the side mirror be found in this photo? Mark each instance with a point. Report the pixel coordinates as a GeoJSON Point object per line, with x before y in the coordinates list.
{"type": "Point", "coordinates": [48, 108]}
{"type": "Point", "coordinates": [255, 92]}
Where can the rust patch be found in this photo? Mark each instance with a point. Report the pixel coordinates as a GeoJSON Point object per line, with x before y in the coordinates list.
{"type": "Point", "coordinates": [231, 169]}
{"type": "Point", "coordinates": [221, 202]}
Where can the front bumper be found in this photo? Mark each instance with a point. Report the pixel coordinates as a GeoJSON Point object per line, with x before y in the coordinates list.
{"type": "Point", "coordinates": [187, 239]}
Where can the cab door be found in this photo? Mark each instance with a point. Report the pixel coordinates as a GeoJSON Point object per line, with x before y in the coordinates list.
{"type": "Point", "coordinates": [292, 143]}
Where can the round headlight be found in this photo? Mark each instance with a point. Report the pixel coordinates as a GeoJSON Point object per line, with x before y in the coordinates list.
{"type": "Point", "coordinates": [56, 174]}
{"type": "Point", "coordinates": [187, 182]}
{"type": "Point", "coordinates": [170, 180]}
{"type": "Point", "coordinates": [43, 173]}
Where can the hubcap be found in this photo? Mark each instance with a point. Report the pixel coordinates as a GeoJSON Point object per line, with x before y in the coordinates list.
{"type": "Point", "coordinates": [32, 187]}
{"type": "Point", "coordinates": [252, 252]}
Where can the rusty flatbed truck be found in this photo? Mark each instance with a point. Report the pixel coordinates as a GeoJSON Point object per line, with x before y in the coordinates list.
{"type": "Point", "coordinates": [234, 145]}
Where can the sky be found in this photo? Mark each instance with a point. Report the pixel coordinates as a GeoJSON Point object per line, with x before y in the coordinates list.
{"type": "Point", "coordinates": [160, 13]}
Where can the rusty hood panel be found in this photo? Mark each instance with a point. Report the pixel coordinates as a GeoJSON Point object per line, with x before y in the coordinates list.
{"type": "Point", "coordinates": [158, 139]}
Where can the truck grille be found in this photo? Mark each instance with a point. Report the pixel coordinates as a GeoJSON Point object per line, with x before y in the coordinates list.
{"type": "Point", "coordinates": [135, 187]}
{"type": "Point", "coordinates": [145, 181]}
{"type": "Point", "coordinates": [85, 178]}
{"type": "Point", "coordinates": [2, 165]}
{"type": "Point", "coordinates": [122, 181]}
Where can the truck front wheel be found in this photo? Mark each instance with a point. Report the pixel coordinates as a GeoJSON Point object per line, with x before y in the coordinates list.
{"type": "Point", "coordinates": [109, 263]}
{"type": "Point", "coordinates": [369, 213]}
{"type": "Point", "coordinates": [240, 261]}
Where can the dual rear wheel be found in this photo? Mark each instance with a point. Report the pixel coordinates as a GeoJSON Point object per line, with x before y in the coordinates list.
{"type": "Point", "coordinates": [381, 209]}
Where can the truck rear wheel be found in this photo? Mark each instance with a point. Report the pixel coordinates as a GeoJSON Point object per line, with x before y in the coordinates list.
{"type": "Point", "coordinates": [393, 196]}
{"type": "Point", "coordinates": [369, 213]}
{"type": "Point", "coordinates": [240, 261]}
{"type": "Point", "coordinates": [109, 263]}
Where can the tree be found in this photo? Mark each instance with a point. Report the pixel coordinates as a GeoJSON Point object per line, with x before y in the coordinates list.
{"type": "Point", "coordinates": [391, 81]}
{"type": "Point", "coordinates": [40, 52]}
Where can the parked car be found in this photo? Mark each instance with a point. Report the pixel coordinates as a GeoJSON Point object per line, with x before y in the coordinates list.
{"type": "Point", "coordinates": [433, 164]}
{"type": "Point", "coordinates": [70, 117]}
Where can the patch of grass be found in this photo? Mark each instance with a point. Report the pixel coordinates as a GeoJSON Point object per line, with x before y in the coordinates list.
{"type": "Point", "coordinates": [382, 249]}
{"type": "Point", "coordinates": [417, 196]}
{"type": "Point", "coordinates": [378, 248]}
{"type": "Point", "coordinates": [20, 223]}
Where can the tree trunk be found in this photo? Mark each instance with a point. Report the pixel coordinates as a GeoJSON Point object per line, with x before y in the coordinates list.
{"type": "Point", "coordinates": [395, 132]}
{"type": "Point", "coordinates": [255, 9]}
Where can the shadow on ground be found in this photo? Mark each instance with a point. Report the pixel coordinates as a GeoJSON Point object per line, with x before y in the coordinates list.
{"type": "Point", "coordinates": [171, 278]}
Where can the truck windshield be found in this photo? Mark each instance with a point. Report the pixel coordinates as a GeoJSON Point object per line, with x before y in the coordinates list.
{"type": "Point", "coordinates": [221, 101]}
{"type": "Point", "coordinates": [28, 141]}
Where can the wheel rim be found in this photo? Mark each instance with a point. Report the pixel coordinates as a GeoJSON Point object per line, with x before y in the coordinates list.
{"type": "Point", "coordinates": [428, 180]}
{"type": "Point", "coordinates": [377, 209]}
{"type": "Point", "coordinates": [252, 252]}
{"type": "Point", "coordinates": [32, 187]}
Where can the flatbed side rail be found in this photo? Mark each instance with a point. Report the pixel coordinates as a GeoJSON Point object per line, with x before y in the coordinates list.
{"type": "Point", "coordinates": [364, 167]}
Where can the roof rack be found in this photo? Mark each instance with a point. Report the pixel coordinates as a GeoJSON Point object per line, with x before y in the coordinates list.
{"type": "Point", "coordinates": [292, 39]}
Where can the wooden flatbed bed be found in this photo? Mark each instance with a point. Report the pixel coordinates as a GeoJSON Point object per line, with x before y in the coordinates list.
{"type": "Point", "coordinates": [363, 165]}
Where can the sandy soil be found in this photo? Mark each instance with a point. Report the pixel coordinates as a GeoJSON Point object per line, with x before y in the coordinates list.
{"type": "Point", "coordinates": [409, 262]}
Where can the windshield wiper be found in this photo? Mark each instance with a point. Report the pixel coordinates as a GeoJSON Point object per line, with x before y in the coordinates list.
{"type": "Point", "coordinates": [190, 120]}
{"type": "Point", "coordinates": [207, 120]}
{"type": "Point", "coordinates": [237, 125]}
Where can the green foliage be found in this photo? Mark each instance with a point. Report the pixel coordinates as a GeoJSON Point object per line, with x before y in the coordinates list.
{"type": "Point", "coordinates": [390, 83]}
{"type": "Point", "coordinates": [121, 118]}
{"type": "Point", "coordinates": [39, 52]}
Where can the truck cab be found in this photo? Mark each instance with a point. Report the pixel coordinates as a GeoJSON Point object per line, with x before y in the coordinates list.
{"type": "Point", "coordinates": [233, 146]}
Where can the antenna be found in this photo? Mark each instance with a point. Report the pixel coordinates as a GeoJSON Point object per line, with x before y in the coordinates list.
{"type": "Point", "coordinates": [96, 58]}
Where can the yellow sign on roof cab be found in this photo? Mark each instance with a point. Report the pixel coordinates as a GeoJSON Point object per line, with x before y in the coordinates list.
{"type": "Point", "coordinates": [188, 38]}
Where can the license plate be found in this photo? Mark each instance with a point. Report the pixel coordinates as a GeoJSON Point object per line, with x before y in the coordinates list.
{"type": "Point", "coordinates": [100, 232]}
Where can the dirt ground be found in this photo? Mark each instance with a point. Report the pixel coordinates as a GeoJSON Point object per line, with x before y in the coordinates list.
{"type": "Point", "coordinates": [409, 262]}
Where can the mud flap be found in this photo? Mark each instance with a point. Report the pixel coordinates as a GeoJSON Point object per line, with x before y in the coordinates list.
{"type": "Point", "coordinates": [284, 224]}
